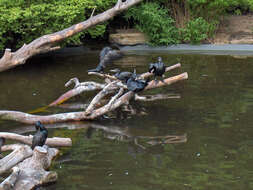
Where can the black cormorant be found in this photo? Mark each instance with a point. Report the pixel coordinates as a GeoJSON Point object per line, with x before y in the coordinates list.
{"type": "Point", "coordinates": [2, 141]}
{"type": "Point", "coordinates": [158, 68]}
{"type": "Point", "coordinates": [123, 76]}
{"type": "Point", "coordinates": [40, 136]}
{"type": "Point", "coordinates": [106, 56]}
{"type": "Point", "coordinates": [136, 85]}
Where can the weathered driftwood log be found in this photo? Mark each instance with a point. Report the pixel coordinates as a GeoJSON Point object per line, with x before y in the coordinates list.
{"type": "Point", "coordinates": [10, 181]}
{"type": "Point", "coordinates": [49, 42]}
{"type": "Point", "coordinates": [83, 115]}
{"type": "Point", "coordinates": [87, 86]}
{"type": "Point", "coordinates": [32, 171]}
{"type": "Point", "coordinates": [53, 142]}
{"type": "Point", "coordinates": [19, 153]}
{"type": "Point", "coordinates": [78, 89]}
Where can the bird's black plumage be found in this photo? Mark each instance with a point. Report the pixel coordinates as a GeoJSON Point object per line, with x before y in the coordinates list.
{"type": "Point", "coordinates": [136, 85]}
{"type": "Point", "coordinates": [40, 136]}
{"type": "Point", "coordinates": [2, 141]}
{"type": "Point", "coordinates": [158, 68]}
{"type": "Point", "coordinates": [123, 76]}
{"type": "Point", "coordinates": [106, 56]}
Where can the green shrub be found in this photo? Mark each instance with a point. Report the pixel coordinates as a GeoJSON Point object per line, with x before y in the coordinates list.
{"type": "Point", "coordinates": [197, 30]}
{"type": "Point", "coordinates": [21, 21]}
{"type": "Point", "coordinates": [155, 21]}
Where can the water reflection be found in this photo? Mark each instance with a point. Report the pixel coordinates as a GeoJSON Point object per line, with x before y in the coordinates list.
{"type": "Point", "coordinates": [215, 111]}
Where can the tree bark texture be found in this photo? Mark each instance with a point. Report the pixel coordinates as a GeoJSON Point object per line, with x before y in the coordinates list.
{"type": "Point", "coordinates": [49, 42]}
{"type": "Point", "coordinates": [32, 171]}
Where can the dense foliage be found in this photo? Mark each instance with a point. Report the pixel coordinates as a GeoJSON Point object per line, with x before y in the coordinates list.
{"type": "Point", "coordinates": [164, 21]}
{"type": "Point", "coordinates": [21, 21]}
{"type": "Point", "coordinates": [155, 22]}
{"type": "Point", "coordinates": [158, 19]}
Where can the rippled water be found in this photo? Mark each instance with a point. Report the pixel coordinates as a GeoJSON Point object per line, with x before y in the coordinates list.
{"type": "Point", "coordinates": [214, 112]}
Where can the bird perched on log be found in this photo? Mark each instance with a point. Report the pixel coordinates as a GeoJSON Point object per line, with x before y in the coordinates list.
{"type": "Point", "coordinates": [40, 136]}
{"type": "Point", "coordinates": [123, 76]}
{"type": "Point", "coordinates": [2, 141]}
{"type": "Point", "coordinates": [158, 68]}
{"type": "Point", "coordinates": [136, 85]}
{"type": "Point", "coordinates": [107, 55]}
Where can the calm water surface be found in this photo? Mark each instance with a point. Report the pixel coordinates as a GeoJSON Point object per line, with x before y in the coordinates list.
{"type": "Point", "coordinates": [214, 112]}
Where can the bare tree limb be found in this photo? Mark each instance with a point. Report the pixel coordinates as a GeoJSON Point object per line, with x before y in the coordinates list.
{"type": "Point", "coordinates": [82, 115]}
{"type": "Point", "coordinates": [10, 181]}
{"type": "Point", "coordinates": [89, 86]}
{"type": "Point", "coordinates": [19, 153]}
{"type": "Point", "coordinates": [53, 142]}
{"type": "Point", "coordinates": [78, 89]}
{"type": "Point", "coordinates": [33, 170]}
{"type": "Point", "coordinates": [48, 42]}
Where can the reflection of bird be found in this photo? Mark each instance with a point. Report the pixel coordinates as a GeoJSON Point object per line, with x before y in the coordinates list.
{"type": "Point", "coordinates": [2, 141]}
{"type": "Point", "coordinates": [136, 85]}
{"type": "Point", "coordinates": [158, 68]}
{"type": "Point", "coordinates": [123, 76]}
{"type": "Point", "coordinates": [40, 136]}
{"type": "Point", "coordinates": [106, 56]}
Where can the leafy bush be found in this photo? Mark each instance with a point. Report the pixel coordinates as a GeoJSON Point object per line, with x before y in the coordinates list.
{"type": "Point", "coordinates": [197, 30]}
{"type": "Point", "coordinates": [155, 21]}
{"type": "Point", "coordinates": [21, 21]}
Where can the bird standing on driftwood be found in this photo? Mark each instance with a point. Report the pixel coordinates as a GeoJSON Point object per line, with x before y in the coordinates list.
{"type": "Point", "coordinates": [106, 56]}
{"type": "Point", "coordinates": [158, 69]}
{"type": "Point", "coordinates": [40, 136]}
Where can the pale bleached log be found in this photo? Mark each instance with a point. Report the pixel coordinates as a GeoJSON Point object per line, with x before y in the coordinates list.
{"type": "Point", "coordinates": [33, 170]}
{"type": "Point", "coordinates": [19, 153]}
{"type": "Point", "coordinates": [53, 142]}
{"type": "Point", "coordinates": [10, 181]}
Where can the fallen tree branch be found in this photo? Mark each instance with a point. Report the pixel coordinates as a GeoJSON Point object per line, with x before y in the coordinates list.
{"type": "Point", "coordinates": [48, 42]}
{"type": "Point", "coordinates": [9, 182]}
{"type": "Point", "coordinates": [19, 153]}
{"type": "Point", "coordinates": [78, 89]}
{"type": "Point", "coordinates": [82, 115]}
{"type": "Point", "coordinates": [53, 142]}
{"type": "Point", "coordinates": [87, 86]}
{"type": "Point", "coordinates": [32, 171]}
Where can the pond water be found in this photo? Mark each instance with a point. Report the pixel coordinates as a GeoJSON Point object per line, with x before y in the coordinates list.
{"type": "Point", "coordinates": [214, 112]}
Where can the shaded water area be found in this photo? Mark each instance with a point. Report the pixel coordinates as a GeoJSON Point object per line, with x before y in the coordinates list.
{"type": "Point", "coordinates": [214, 112]}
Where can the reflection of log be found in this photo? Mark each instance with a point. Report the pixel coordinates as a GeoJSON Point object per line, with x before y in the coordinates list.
{"type": "Point", "coordinates": [19, 153]}
{"type": "Point", "coordinates": [148, 98]}
{"type": "Point", "coordinates": [54, 142]}
{"type": "Point", "coordinates": [33, 170]}
{"type": "Point", "coordinates": [48, 42]}
{"type": "Point", "coordinates": [77, 116]}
